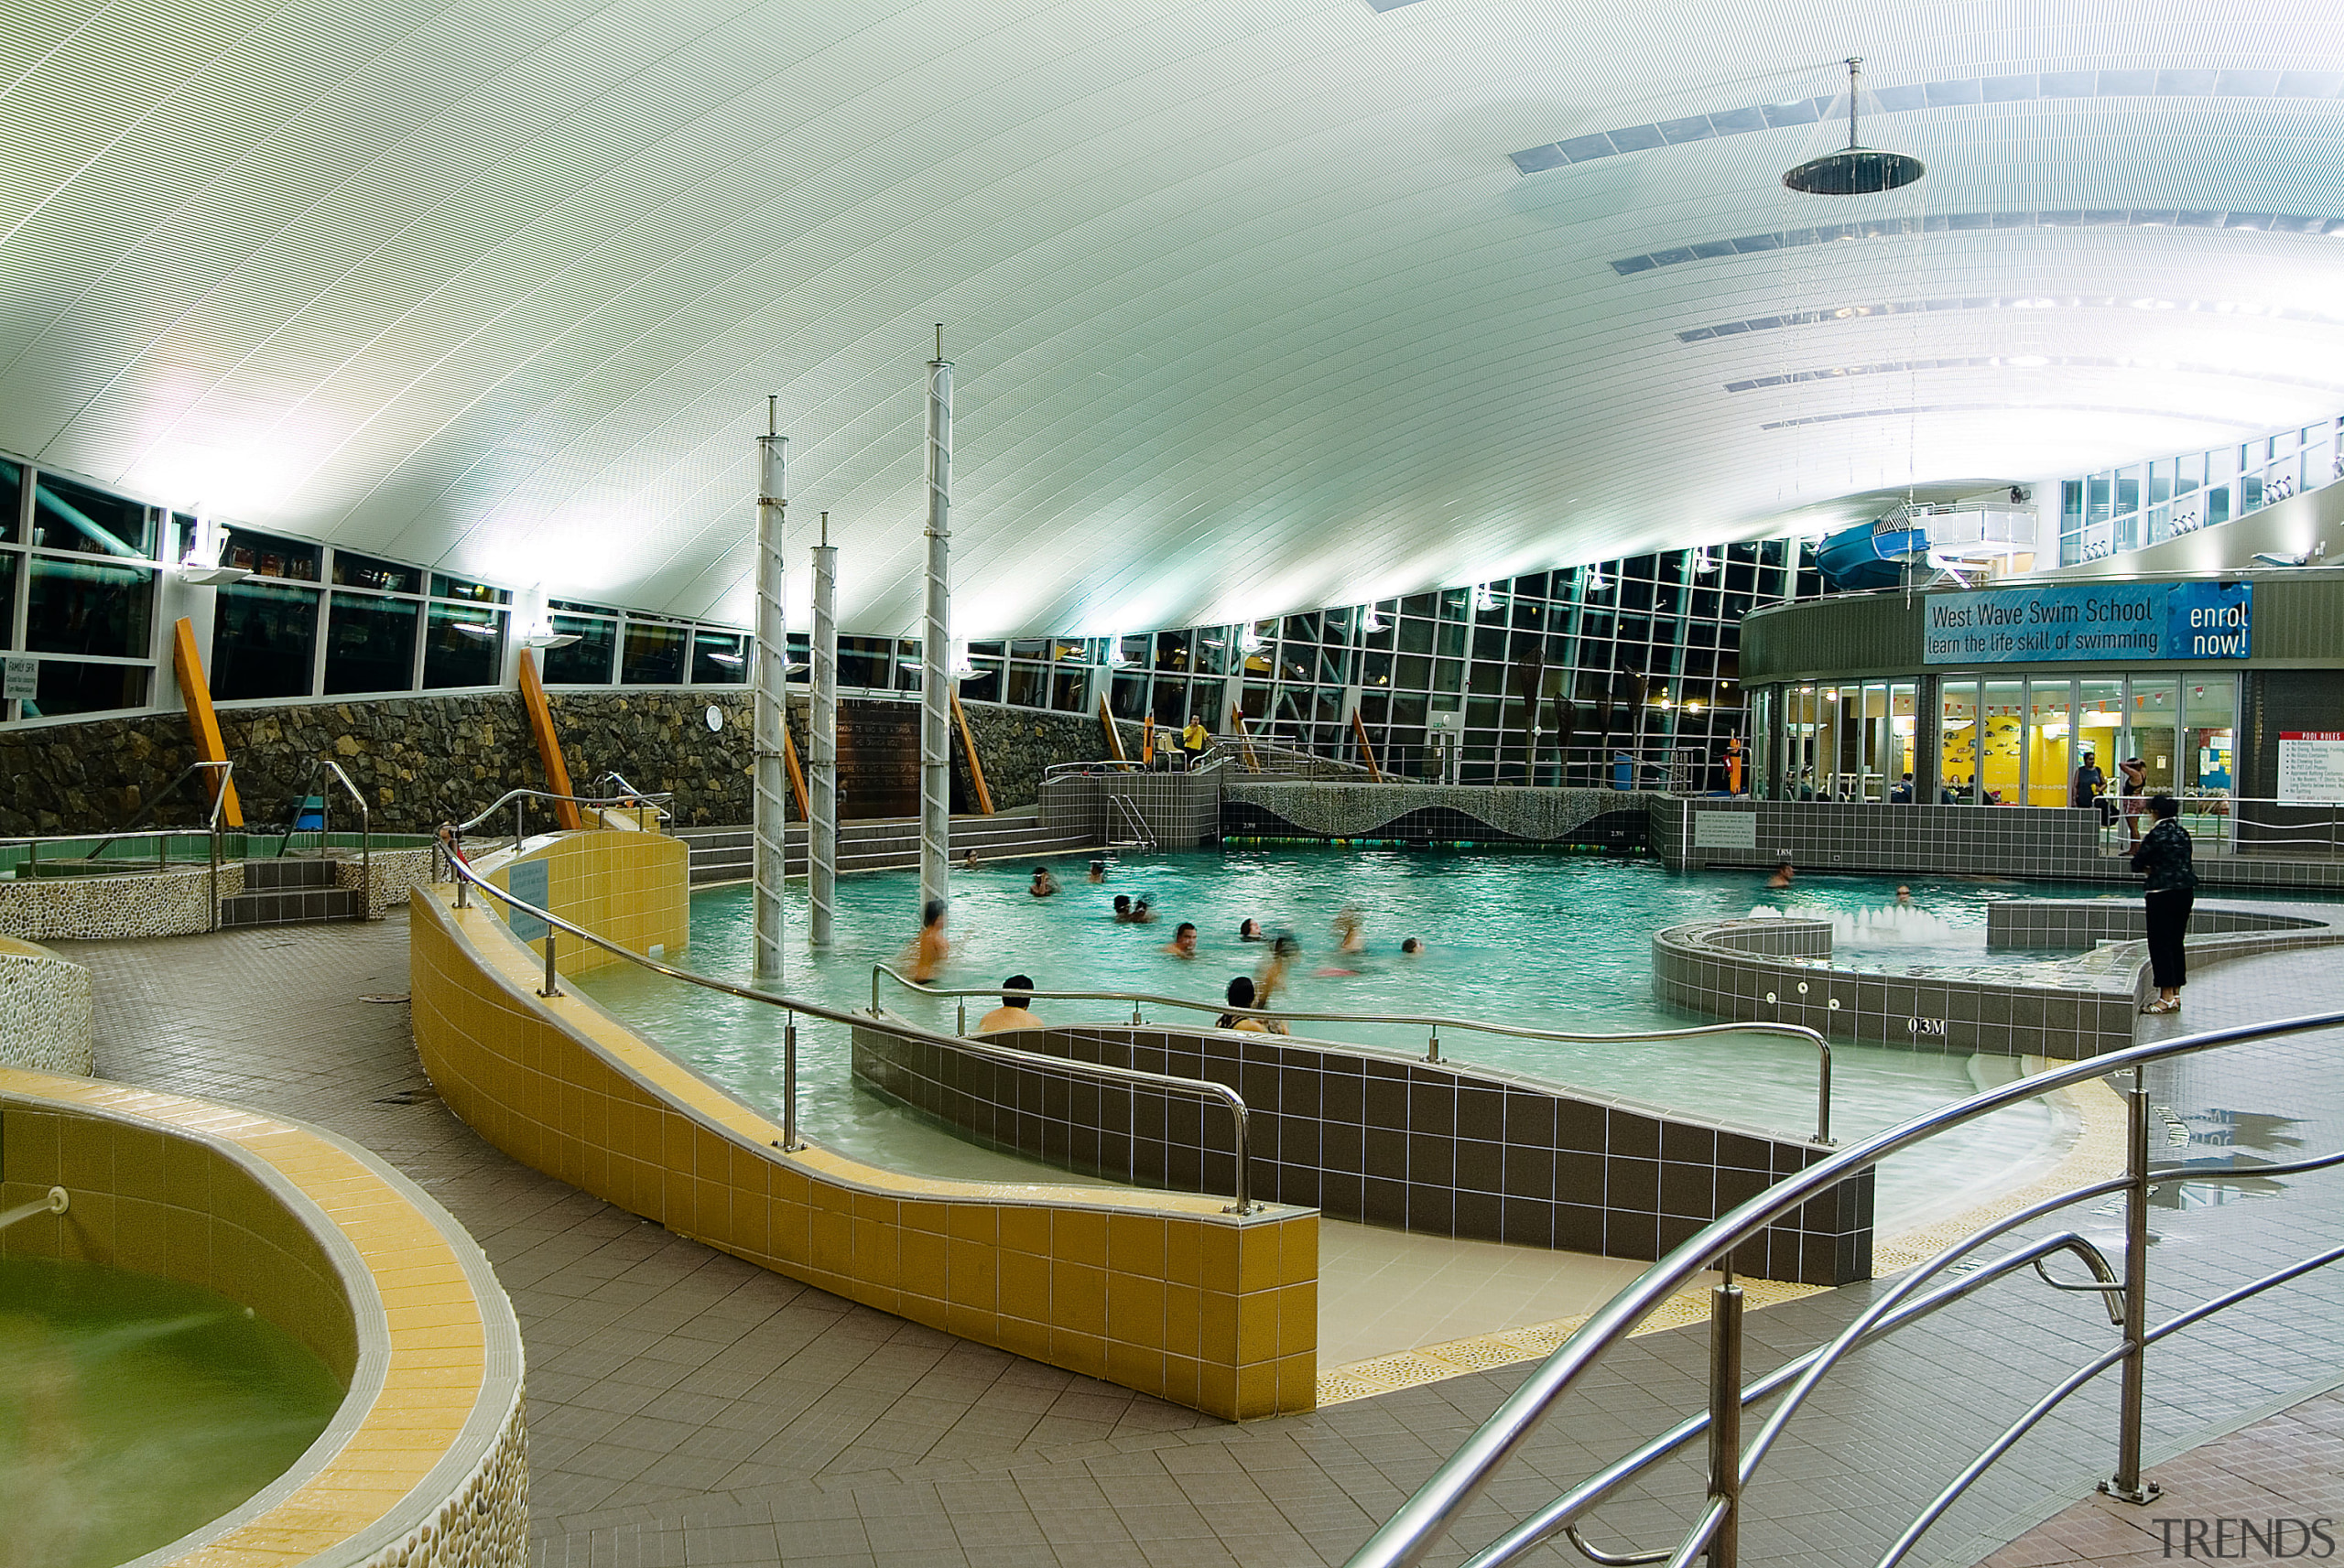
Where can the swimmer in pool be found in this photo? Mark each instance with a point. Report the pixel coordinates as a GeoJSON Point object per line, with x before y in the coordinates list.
{"type": "Point", "coordinates": [1251, 931]}
{"type": "Point", "coordinates": [1044, 884]}
{"type": "Point", "coordinates": [929, 952]}
{"type": "Point", "coordinates": [1141, 914]}
{"type": "Point", "coordinates": [969, 861]}
{"type": "Point", "coordinates": [1903, 898]}
{"type": "Point", "coordinates": [1350, 930]}
{"type": "Point", "coordinates": [1240, 995]}
{"type": "Point", "coordinates": [1015, 1011]}
{"type": "Point", "coordinates": [1782, 877]}
{"type": "Point", "coordinates": [1098, 871]}
{"type": "Point", "coordinates": [1271, 977]}
{"type": "Point", "coordinates": [1184, 941]}
{"type": "Point", "coordinates": [1412, 949]}
{"type": "Point", "coordinates": [1123, 909]}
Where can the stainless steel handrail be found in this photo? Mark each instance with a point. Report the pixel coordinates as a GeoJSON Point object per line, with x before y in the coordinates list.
{"type": "Point", "coordinates": [1421, 1524]}
{"type": "Point", "coordinates": [210, 830]}
{"type": "Point", "coordinates": [519, 800]}
{"type": "Point", "coordinates": [1203, 1088]}
{"type": "Point", "coordinates": [1434, 1022]}
{"type": "Point", "coordinates": [628, 792]}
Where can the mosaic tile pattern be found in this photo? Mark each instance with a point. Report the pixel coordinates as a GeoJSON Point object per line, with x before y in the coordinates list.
{"type": "Point", "coordinates": [1180, 811]}
{"type": "Point", "coordinates": [1359, 811]}
{"type": "Point", "coordinates": [44, 1010]}
{"type": "Point", "coordinates": [1425, 1147]}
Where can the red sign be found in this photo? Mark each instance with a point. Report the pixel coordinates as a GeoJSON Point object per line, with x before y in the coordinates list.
{"type": "Point", "coordinates": [2311, 734]}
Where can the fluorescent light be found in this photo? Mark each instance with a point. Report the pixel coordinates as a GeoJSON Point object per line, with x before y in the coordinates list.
{"type": "Point", "coordinates": [1373, 622]}
{"type": "Point", "coordinates": [550, 639]}
{"type": "Point", "coordinates": [475, 629]}
{"type": "Point", "coordinates": [201, 576]}
{"type": "Point", "coordinates": [729, 661]}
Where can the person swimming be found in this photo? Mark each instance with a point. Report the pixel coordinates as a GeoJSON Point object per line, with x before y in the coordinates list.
{"type": "Point", "coordinates": [1903, 898]}
{"type": "Point", "coordinates": [1184, 941]}
{"type": "Point", "coordinates": [1270, 977]}
{"type": "Point", "coordinates": [1123, 909]}
{"type": "Point", "coordinates": [1240, 995]}
{"type": "Point", "coordinates": [1412, 949]}
{"type": "Point", "coordinates": [1141, 914]}
{"type": "Point", "coordinates": [1015, 1011]}
{"type": "Point", "coordinates": [1251, 931]}
{"type": "Point", "coordinates": [969, 861]}
{"type": "Point", "coordinates": [1044, 884]}
{"type": "Point", "coordinates": [929, 952]}
{"type": "Point", "coordinates": [1098, 871]}
{"type": "Point", "coordinates": [1350, 932]}
{"type": "Point", "coordinates": [1784, 871]}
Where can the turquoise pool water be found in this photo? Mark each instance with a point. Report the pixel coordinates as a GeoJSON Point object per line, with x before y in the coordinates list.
{"type": "Point", "coordinates": [1553, 941]}
{"type": "Point", "coordinates": [134, 1410]}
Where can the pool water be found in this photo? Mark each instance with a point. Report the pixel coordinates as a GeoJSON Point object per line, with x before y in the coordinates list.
{"type": "Point", "coordinates": [134, 1410]}
{"type": "Point", "coordinates": [1552, 941]}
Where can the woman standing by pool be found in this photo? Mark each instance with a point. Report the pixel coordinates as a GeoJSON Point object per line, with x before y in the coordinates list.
{"type": "Point", "coordinates": [2166, 856]}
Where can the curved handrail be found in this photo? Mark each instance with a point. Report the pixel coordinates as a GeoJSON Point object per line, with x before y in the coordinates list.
{"type": "Point", "coordinates": [1426, 1517]}
{"type": "Point", "coordinates": [524, 795]}
{"type": "Point", "coordinates": [1202, 1088]}
{"type": "Point", "coordinates": [628, 792]}
{"type": "Point", "coordinates": [1436, 1023]}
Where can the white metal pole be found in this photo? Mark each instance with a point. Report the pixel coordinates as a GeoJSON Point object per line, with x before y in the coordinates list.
{"type": "Point", "coordinates": [772, 810]}
{"type": "Point", "coordinates": [935, 645]}
{"type": "Point", "coordinates": [822, 747]}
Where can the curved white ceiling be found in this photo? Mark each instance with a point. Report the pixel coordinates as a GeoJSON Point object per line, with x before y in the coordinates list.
{"type": "Point", "coordinates": [1250, 305]}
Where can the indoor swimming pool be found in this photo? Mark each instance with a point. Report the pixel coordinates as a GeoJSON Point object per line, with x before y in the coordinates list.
{"type": "Point", "coordinates": [1550, 941]}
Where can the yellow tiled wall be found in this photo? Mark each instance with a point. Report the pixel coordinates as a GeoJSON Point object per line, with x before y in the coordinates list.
{"type": "Point", "coordinates": [1158, 1292]}
{"type": "Point", "coordinates": [634, 888]}
{"type": "Point", "coordinates": [238, 1202]}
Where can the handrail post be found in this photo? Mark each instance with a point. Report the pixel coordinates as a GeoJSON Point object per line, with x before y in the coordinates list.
{"type": "Point", "coordinates": [552, 986]}
{"type": "Point", "coordinates": [1725, 1418]}
{"type": "Point", "coordinates": [961, 1019]}
{"type": "Point", "coordinates": [1823, 1093]}
{"type": "Point", "coordinates": [1432, 1049]}
{"type": "Point", "coordinates": [1245, 1162]}
{"type": "Point", "coordinates": [789, 1144]}
{"type": "Point", "coordinates": [215, 873]}
{"type": "Point", "coordinates": [520, 821]}
{"type": "Point", "coordinates": [2126, 1484]}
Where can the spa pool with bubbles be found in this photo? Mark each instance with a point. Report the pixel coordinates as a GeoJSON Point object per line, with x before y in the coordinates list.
{"type": "Point", "coordinates": [1546, 940]}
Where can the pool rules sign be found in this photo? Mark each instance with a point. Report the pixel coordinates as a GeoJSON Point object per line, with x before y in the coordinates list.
{"type": "Point", "coordinates": [2311, 767]}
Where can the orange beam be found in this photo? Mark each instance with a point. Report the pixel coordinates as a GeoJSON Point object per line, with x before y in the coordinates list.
{"type": "Point", "coordinates": [1365, 750]}
{"type": "Point", "coordinates": [1147, 739]}
{"type": "Point", "coordinates": [796, 775]}
{"type": "Point", "coordinates": [1253, 763]}
{"type": "Point", "coordinates": [540, 712]}
{"type": "Point", "coordinates": [196, 693]}
{"type": "Point", "coordinates": [976, 767]}
{"type": "Point", "coordinates": [1115, 741]}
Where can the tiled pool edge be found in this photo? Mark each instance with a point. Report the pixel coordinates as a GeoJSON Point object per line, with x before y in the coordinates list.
{"type": "Point", "coordinates": [424, 1465]}
{"type": "Point", "coordinates": [1160, 1293]}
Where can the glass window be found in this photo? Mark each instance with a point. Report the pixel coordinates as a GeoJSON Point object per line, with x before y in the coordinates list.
{"type": "Point", "coordinates": [2156, 713]}
{"type": "Point", "coordinates": [264, 555]}
{"type": "Point", "coordinates": [369, 643]}
{"type": "Point", "coordinates": [2050, 752]}
{"type": "Point", "coordinates": [67, 688]}
{"type": "Point", "coordinates": [1415, 636]}
{"type": "Point", "coordinates": [462, 647]}
{"type": "Point", "coordinates": [69, 516]}
{"type": "Point", "coordinates": [9, 600]}
{"type": "Point", "coordinates": [1896, 766]}
{"type": "Point", "coordinates": [2210, 715]}
{"type": "Point", "coordinates": [1958, 740]}
{"type": "Point", "coordinates": [1999, 768]}
{"type": "Point", "coordinates": [78, 607]}
{"type": "Point", "coordinates": [720, 658]}
{"type": "Point", "coordinates": [863, 661]}
{"type": "Point", "coordinates": [443, 586]}
{"type": "Point", "coordinates": [1070, 690]}
{"type": "Point", "coordinates": [909, 666]}
{"type": "Point", "coordinates": [12, 500]}
{"type": "Point", "coordinates": [2099, 725]}
{"type": "Point", "coordinates": [264, 640]}
{"type": "Point", "coordinates": [1172, 650]}
{"type": "Point", "coordinates": [1128, 695]}
{"type": "Point", "coordinates": [586, 662]}
{"type": "Point", "coordinates": [364, 571]}
{"type": "Point", "coordinates": [653, 654]}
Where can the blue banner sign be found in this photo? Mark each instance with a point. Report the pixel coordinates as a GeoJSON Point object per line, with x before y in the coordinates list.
{"type": "Point", "coordinates": [2079, 624]}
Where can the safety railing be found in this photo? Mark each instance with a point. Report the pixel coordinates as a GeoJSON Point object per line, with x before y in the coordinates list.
{"type": "Point", "coordinates": [1136, 1001]}
{"type": "Point", "coordinates": [222, 774]}
{"type": "Point", "coordinates": [2234, 825]}
{"type": "Point", "coordinates": [616, 783]}
{"type": "Point", "coordinates": [1422, 1523]}
{"type": "Point", "coordinates": [466, 879]}
{"type": "Point", "coordinates": [518, 799]}
{"type": "Point", "coordinates": [328, 767]}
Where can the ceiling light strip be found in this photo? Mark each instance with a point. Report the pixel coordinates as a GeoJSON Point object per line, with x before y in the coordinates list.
{"type": "Point", "coordinates": [1962, 92]}
{"type": "Point", "coordinates": [2006, 302]}
{"type": "Point", "coordinates": [2024, 361]}
{"type": "Point", "coordinates": [1960, 222]}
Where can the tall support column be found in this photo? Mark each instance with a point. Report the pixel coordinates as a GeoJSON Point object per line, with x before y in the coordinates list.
{"type": "Point", "coordinates": [822, 753]}
{"type": "Point", "coordinates": [935, 644]}
{"type": "Point", "coordinates": [771, 810]}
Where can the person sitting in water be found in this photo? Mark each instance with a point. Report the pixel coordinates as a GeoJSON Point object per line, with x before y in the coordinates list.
{"type": "Point", "coordinates": [1783, 874]}
{"type": "Point", "coordinates": [1184, 941]}
{"type": "Point", "coordinates": [1098, 871]}
{"type": "Point", "coordinates": [1123, 909]}
{"type": "Point", "coordinates": [1412, 949]}
{"type": "Point", "coordinates": [1141, 914]}
{"type": "Point", "coordinates": [1903, 898]}
{"type": "Point", "coordinates": [969, 860]}
{"type": "Point", "coordinates": [1240, 995]}
{"type": "Point", "coordinates": [1015, 1011]}
{"type": "Point", "coordinates": [1251, 931]}
{"type": "Point", "coordinates": [1044, 884]}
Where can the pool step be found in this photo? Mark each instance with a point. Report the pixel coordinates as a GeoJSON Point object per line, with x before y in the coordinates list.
{"type": "Point", "coordinates": [725, 854]}
{"type": "Point", "coordinates": [290, 893]}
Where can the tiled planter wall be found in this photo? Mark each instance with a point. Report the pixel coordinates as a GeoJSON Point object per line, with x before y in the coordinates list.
{"type": "Point", "coordinates": [1435, 1149]}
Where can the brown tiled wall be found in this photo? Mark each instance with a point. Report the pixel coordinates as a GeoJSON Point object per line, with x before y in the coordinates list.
{"type": "Point", "coordinates": [1167, 1296]}
{"type": "Point", "coordinates": [1428, 1148]}
{"type": "Point", "coordinates": [147, 1201]}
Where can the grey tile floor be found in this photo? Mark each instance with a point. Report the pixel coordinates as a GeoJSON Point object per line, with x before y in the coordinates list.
{"type": "Point", "coordinates": [687, 1408]}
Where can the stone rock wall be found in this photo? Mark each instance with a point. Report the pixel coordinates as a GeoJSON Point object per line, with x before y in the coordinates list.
{"type": "Point", "coordinates": [420, 761]}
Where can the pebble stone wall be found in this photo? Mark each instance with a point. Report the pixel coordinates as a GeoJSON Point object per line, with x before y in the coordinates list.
{"type": "Point", "coordinates": [420, 761]}
{"type": "Point", "coordinates": [98, 909]}
{"type": "Point", "coordinates": [44, 1011]}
